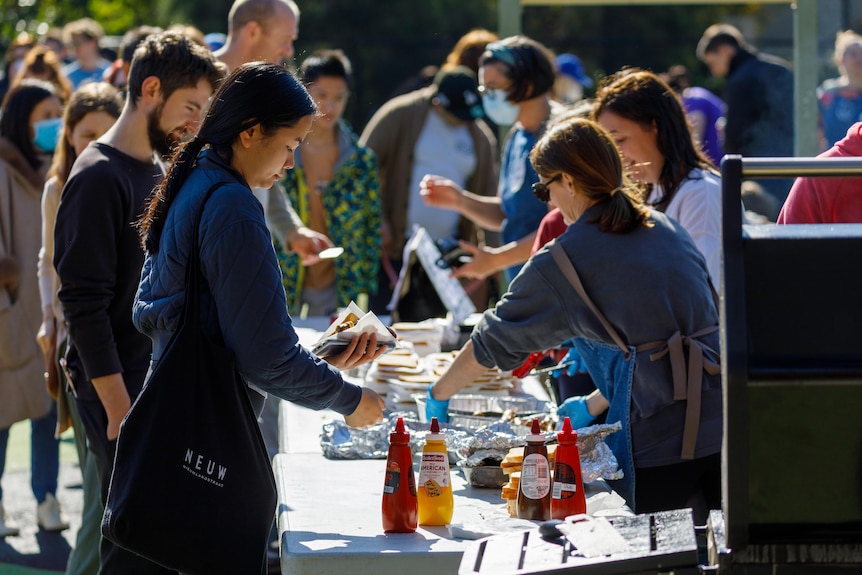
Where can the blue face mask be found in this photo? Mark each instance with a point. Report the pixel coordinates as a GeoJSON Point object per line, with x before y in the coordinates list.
{"type": "Point", "coordinates": [47, 134]}
{"type": "Point", "coordinates": [498, 108]}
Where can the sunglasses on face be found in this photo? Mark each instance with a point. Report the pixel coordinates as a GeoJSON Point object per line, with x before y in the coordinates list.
{"type": "Point", "coordinates": [541, 191]}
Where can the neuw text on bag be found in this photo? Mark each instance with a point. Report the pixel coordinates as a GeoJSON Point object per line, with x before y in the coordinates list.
{"type": "Point", "coordinates": [204, 468]}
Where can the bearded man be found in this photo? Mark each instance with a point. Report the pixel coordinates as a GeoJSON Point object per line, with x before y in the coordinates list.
{"type": "Point", "coordinates": [97, 252]}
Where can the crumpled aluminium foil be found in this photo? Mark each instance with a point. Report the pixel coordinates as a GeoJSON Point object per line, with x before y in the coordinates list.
{"type": "Point", "coordinates": [472, 448]}
{"type": "Point", "coordinates": [339, 441]}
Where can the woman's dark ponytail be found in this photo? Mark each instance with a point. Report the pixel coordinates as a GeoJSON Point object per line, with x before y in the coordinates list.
{"type": "Point", "coordinates": [623, 210]}
{"type": "Point", "coordinates": [151, 223]}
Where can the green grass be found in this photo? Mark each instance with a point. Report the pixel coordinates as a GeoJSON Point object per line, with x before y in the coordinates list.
{"type": "Point", "coordinates": [18, 454]}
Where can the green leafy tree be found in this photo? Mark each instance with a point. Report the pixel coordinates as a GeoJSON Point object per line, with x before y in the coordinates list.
{"type": "Point", "coordinates": [390, 42]}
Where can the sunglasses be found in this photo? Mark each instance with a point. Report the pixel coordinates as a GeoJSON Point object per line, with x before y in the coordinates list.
{"type": "Point", "coordinates": [541, 190]}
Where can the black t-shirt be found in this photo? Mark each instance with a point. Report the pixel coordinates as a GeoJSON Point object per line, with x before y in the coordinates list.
{"type": "Point", "coordinates": [99, 258]}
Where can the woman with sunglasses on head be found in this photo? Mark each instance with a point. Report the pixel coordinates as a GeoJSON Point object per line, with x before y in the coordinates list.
{"type": "Point", "coordinates": [647, 121]}
{"type": "Point", "coordinates": [516, 76]}
{"type": "Point", "coordinates": [629, 286]}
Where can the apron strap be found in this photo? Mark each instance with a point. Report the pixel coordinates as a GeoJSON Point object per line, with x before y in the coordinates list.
{"type": "Point", "coordinates": [568, 269]}
{"type": "Point", "coordinates": [687, 383]}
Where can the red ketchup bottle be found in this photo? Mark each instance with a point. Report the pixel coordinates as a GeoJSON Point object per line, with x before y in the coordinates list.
{"type": "Point", "coordinates": [567, 494]}
{"type": "Point", "coordinates": [400, 507]}
{"type": "Point", "coordinates": [534, 490]}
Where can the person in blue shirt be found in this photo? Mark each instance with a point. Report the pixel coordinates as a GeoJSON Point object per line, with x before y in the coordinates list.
{"type": "Point", "coordinates": [88, 66]}
{"type": "Point", "coordinates": [516, 76]}
{"type": "Point", "coordinates": [839, 100]}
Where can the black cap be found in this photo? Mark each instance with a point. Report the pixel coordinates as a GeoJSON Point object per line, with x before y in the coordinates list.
{"type": "Point", "coordinates": [458, 93]}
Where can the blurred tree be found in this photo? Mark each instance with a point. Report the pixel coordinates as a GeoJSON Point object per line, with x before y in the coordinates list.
{"type": "Point", "coordinates": [608, 38]}
{"type": "Point", "coordinates": [389, 42]}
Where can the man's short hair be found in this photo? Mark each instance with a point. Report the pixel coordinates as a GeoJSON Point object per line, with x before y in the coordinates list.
{"type": "Point", "coordinates": [84, 27]}
{"type": "Point", "coordinates": [176, 61]}
{"type": "Point", "coordinates": [261, 11]}
{"type": "Point", "coordinates": [131, 39]}
{"type": "Point", "coordinates": [720, 35]}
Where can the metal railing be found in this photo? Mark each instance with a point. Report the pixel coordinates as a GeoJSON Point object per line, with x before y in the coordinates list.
{"type": "Point", "coordinates": [795, 167]}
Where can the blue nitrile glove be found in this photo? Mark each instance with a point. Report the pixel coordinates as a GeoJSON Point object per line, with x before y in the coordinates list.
{"type": "Point", "coordinates": [575, 408]}
{"type": "Point", "coordinates": [576, 366]}
{"type": "Point", "coordinates": [438, 408]}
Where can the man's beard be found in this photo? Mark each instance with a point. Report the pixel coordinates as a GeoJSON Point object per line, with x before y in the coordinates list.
{"type": "Point", "coordinates": [162, 142]}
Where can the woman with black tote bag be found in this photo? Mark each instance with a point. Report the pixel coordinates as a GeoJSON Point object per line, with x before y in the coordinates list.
{"type": "Point", "coordinates": [192, 487]}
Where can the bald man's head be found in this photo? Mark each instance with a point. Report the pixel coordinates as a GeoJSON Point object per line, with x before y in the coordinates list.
{"type": "Point", "coordinates": [267, 28]}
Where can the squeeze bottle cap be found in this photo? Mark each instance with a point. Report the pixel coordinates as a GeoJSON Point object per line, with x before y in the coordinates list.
{"type": "Point", "coordinates": [535, 432]}
{"type": "Point", "coordinates": [567, 435]}
{"type": "Point", "coordinates": [400, 435]}
{"type": "Point", "coordinates": [434, 430]}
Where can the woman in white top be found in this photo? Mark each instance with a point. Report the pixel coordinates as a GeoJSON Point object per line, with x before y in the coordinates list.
{"type": "Point", "coordinates": [647, 120]}
{"type": "Point", "coordinates": [91, 110]}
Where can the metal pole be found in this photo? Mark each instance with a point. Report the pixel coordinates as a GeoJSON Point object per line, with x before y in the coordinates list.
{"type": "Point", "coordinates": [805, 77]}
{"type": "Point", "coordinates": [509, 16]}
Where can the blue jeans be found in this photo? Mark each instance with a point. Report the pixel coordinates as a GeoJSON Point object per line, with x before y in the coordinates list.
{"type": "Point", "coordinates": [44, 455]}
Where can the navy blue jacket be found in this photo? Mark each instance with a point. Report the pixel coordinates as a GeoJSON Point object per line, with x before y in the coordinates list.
{"type": "Point", "coordinates": [759, 97]}
{"type": "Point", "coordinates": [244, 303]}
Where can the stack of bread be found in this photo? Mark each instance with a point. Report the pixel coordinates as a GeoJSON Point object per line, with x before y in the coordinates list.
{"type": "Point", "coordinates": [390, 367]}
{"type": "Point", "coordinates": [511, 465]}
{"type": "Point", "coordinates": [492, 381]}
{"type": "Point", "coordinates": [425, 336]}
{"type": "Point", "coordinates": [403, 372]}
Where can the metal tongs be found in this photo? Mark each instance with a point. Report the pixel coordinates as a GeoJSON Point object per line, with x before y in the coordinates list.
{"type": "Point", "coordinates": [563, 365]}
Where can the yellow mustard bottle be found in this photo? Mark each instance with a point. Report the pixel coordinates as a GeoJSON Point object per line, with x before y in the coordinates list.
{"type": "Point", "coordinates": [436, 502]}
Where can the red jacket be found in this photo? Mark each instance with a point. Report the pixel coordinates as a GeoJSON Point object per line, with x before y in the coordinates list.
{"type": "Point", "coordinates": [819, 200]}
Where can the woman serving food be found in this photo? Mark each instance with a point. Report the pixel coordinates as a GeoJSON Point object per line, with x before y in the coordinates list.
{"type": "Point", "coordinates": [629, 286]}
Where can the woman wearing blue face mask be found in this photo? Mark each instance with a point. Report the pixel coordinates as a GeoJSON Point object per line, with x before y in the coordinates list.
{"type": "Point", "coordinates": [31, 111]}
{"type": "Point", "coordinates": [516, 76]}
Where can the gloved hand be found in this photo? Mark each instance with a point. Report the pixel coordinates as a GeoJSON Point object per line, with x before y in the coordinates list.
{"type": "Point", "coordinates": [577, 364]}
{"type": "Point", "coordinates": [575, 408]}
{"type": "Point", "coordinates": [436, 407]}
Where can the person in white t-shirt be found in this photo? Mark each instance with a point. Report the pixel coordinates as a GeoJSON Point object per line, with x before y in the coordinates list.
{"type": "Point", "coordinates": [647, 120]}
{"type": "Point", "coordinates": [438, 129]}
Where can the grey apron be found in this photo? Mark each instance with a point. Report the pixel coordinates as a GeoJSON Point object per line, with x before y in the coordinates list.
{"type": "Point", "coordinates": [612, 370]}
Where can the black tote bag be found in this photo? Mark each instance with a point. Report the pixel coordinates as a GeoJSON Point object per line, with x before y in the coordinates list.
{"type": "Point", "coordinates": [192, 486]}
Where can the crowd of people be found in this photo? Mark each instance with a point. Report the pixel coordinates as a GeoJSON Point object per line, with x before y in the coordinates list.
{"type": "Point", "coordinates": [599, 218]}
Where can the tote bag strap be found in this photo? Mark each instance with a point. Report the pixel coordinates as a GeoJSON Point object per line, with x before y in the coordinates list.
{"type": "Point", "coordinates": [191, 307]}
{"type": "Point", "coordinates": [568, 269]}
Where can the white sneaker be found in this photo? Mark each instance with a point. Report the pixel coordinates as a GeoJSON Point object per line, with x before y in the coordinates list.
{"type": "Point", "coordinates": [6, 528]}
{"type": "Point", "coordinates": [49, 516]}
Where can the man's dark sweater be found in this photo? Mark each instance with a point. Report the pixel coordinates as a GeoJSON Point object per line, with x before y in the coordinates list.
{"type": "Point", "coordinates": [759, 98]}
{"type": "Point", "coordinates": [98, 258]}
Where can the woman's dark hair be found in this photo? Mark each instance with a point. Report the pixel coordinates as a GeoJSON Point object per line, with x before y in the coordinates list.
{"type": "Point", "coordinates": [17, 107]}
{"type": "Point", "coordinates": [529, 64]}
{"type": "Point", "coordinates": [642, 97]}
{"type": "Point", "coordinates": [92, 97]}
{"type": "Point", "coordinates": [587, 153]}
{"type": "Point", "coordinates": [326, 63]}
{"type": "Point", "coordinates": [255, 93]}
